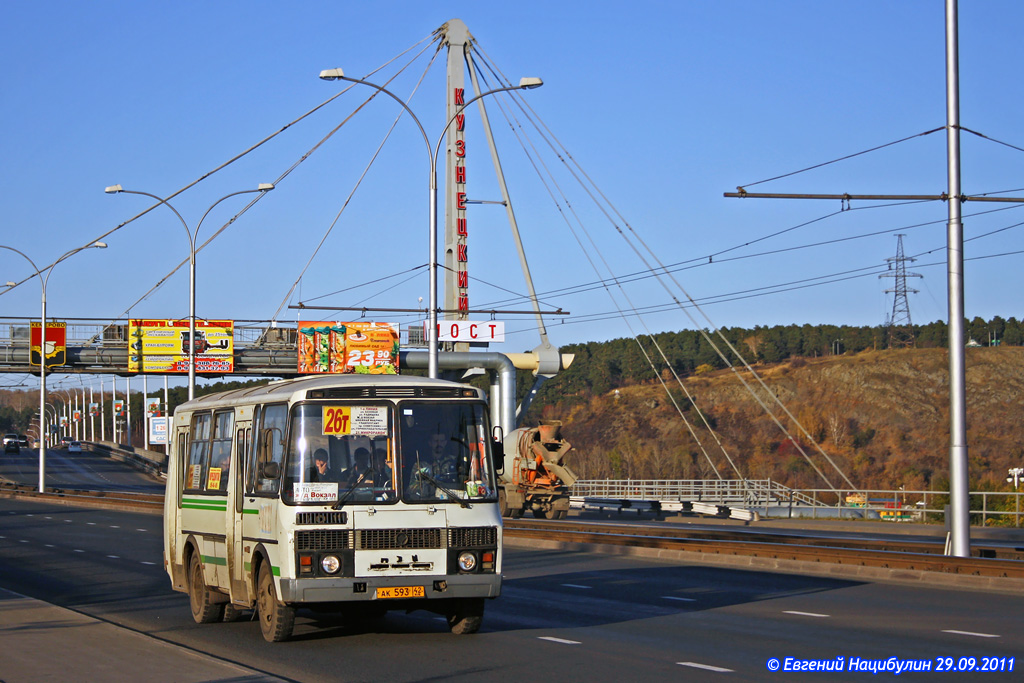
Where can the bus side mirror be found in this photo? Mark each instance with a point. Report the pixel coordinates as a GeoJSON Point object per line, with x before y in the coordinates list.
{"type": "Point", "coordinates": [270, 470]}
{"type": "Point", "coordinates": [498, 449]}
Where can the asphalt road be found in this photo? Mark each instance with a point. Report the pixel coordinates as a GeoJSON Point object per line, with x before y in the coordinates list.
{"type": "Point", "coordinates": [564, 615]}
{"type": "Point", "coordinates": [83, 470]}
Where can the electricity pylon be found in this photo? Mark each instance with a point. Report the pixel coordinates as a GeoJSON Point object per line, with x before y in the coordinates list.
{"type": "Point", "coordinates": [901, 330]}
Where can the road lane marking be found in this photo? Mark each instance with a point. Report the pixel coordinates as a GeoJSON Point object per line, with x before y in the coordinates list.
{"type": "Point", "coordinates": [151, 564]}
{"type": "Point", "coordinates": [971, 633]}
{"type": "Point", "coordinates": [76, 550]}
{"type": "Point", "coordinates": [574, 585]}
{"type": "Point", "coordinates": [559, 640]}
{"type": "Point", "coordinates": [142, 530]}
{"type": "Point", "coordinates": [113, 557]}
{"type": "Point", "coordinates": [706, 667]}
{"type": "Point", "coordinates": [806, 614]}
{"type": "Point", "coordinates": [672, 597]}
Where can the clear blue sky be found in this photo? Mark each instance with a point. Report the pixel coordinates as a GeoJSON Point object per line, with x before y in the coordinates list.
{"type": "Point", "coordinates": [665, 105]}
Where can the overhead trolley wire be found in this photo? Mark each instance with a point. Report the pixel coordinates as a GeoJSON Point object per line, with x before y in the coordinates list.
{"type": "Point", "coordinates": [601, 205]}
{"type": "Point", "coordinates": [622, 314]}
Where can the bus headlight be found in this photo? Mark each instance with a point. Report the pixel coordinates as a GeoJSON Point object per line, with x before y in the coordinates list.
{"type": "Point", "coordinates": [330, 564]}
{"type": "Point", "coordinates": [467, 561]}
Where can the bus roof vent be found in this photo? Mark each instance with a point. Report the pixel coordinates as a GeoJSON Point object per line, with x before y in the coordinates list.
{"type": "Point", "coordinates": [386, 392]}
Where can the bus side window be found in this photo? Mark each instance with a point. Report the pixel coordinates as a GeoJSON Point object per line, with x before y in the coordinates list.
{"type": "Point", "coordinates": [220, 451]}
{"type": "Point", "coordinates": [270, 448]}
{"type": "Point", "coordinates": [198, 451]}
{"type": "Point", "coordinates": [242, 458]}
{"type": "Point", "coordinates": [250, 452]}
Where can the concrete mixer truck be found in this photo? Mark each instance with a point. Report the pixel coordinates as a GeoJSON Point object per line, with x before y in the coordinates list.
{"type": "Point", "coordinates": [536, 476]}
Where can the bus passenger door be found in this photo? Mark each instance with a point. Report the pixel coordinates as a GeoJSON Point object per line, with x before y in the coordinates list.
{"type": "Point", "coordinates": [236, 511]}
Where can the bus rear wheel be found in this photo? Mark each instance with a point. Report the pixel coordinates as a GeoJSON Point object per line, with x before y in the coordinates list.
{"type": "Point", "coordinates": [276, 620]}
{"type": "Point", "coordinates": [466, 616]}
{"type": "Point", "coordinates": [200, 598]}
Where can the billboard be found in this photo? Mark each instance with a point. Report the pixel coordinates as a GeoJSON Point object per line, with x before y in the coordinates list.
{"type": "Point", "coordinates": [158, 431]}
{"type": "Point", "coordinates": [56, 343]}
{"type": "Point", "coordinates": [161, 346]}
{"type": "Point", "coordinates": [368, 348]}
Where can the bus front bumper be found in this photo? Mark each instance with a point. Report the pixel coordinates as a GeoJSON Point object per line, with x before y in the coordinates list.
{"type": "Point", "coordinates": [321, 590]}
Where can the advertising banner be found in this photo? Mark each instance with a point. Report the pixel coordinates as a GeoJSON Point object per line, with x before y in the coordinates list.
{"type": "Point", "coordinates": [56, 343]}
{"type": "Point", "coordinates": [153, 407]}
{"type": "Point", "coordinates": [76, 415]}
{"type": "Point", "coordinates": [94, 409]}
{"type": "Point", "coordinates": [368, 348]}
{"type": "Point", "coordinates": [161, 346]}
{"type": "Point", "coordinates": [119, 408]}
{"type": "Point", "coordinates": [158, 431]}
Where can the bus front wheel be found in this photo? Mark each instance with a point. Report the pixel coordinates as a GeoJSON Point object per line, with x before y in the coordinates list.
{"type": "Point", "coordinates": [200, 598]}
{"type": "Point", "coordinates": [466, 616]}
{"type": "Point", "coordinates": [276, 620]}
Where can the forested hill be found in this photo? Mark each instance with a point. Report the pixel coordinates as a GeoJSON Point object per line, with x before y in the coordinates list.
{"type": "Point", "coordinates": [881, 416]}
{"type": "Point", "coordinates": [601, 366]}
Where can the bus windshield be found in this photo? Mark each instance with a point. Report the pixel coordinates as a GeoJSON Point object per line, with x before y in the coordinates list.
{"type": "Point", "coordinates": [340, 452]}
{"type": "Point", "coordinates": [350, 453]}
{"type": "Point", "coordinates": [445, 453]}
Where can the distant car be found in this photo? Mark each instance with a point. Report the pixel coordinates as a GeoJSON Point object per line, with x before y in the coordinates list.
{"type": "Point", "coordinates": [75, 447]}
{"type": "Point", "coordinates": [65, 440]}
{"type": "Point", "coordinates": [23, 441]}
{"type": "Point", "coordinates": [11, 444]}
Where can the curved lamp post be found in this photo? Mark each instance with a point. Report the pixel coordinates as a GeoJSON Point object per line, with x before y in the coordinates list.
{"type": "Point", "coordinates": [42, 345]}
{"type": "Point", "coordinates": [432, 152]}
{"type": "Point", "coordinates": [192, 236]}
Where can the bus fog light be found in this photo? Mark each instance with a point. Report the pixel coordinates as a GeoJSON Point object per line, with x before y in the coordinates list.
{"type": "Point", "coordinates": [467, 561]}
{"type": "Point", "coordinates": [330, 564]}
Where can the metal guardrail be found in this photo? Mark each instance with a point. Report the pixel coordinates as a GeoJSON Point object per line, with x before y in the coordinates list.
{"type": "Point", "coordinates": [986, 507]}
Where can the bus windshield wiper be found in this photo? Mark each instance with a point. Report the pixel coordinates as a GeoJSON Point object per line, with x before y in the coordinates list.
{"type": "Point", "coordinates": [451, 494]}
{"type": "Point", "coordinates": [351, 489]}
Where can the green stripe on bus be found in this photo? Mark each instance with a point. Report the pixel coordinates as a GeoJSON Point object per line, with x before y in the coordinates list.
{"type": "Point", "coordinates": [194, 506]}
{"type": "Point", "coordinates": [212, 559]}
{"type": "Point", "coordinates": [250, 511]}
{"type": "Point", "coordinates": [276, 571]}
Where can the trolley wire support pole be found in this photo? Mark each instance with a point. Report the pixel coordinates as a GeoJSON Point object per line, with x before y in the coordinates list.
{"type": "Point", "coordinates": [959, 500]}
{"type": "Point", "coordinates": [959, 509]}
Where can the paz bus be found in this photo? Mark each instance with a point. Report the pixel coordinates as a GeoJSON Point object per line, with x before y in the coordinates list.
{"type": "Point", "coordinates": [351, 493]}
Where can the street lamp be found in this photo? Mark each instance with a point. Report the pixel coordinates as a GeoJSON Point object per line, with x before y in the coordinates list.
{"type": "Point", "coordinates": [192, 236]}
{"type": "Point", "coordinates": [432, 152]}
{"type": "Point", "coordinates": [1015, 476]}
{"type": "Point", "coordinates": [42, 344]}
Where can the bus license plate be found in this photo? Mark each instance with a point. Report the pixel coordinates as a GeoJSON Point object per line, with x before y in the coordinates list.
{"type": "Point", "coordinates": [401, 592]}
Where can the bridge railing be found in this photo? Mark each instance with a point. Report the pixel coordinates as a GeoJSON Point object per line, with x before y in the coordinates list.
{"type": "Point", "coordinates": [986, 507]}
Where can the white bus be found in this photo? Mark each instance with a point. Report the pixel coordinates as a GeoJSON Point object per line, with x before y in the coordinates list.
{"type": "Point", "coordinates": [356, 493]}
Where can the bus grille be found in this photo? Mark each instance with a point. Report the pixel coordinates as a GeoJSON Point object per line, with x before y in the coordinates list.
{"type": "Point", "coordinates": [322, 518]}
{"type": "Point", "coordinates": [473, 537]}
{"type": "Point", "coordinates": [388, 539]}
{"type": "Point", "coordinates": [322, 539]}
